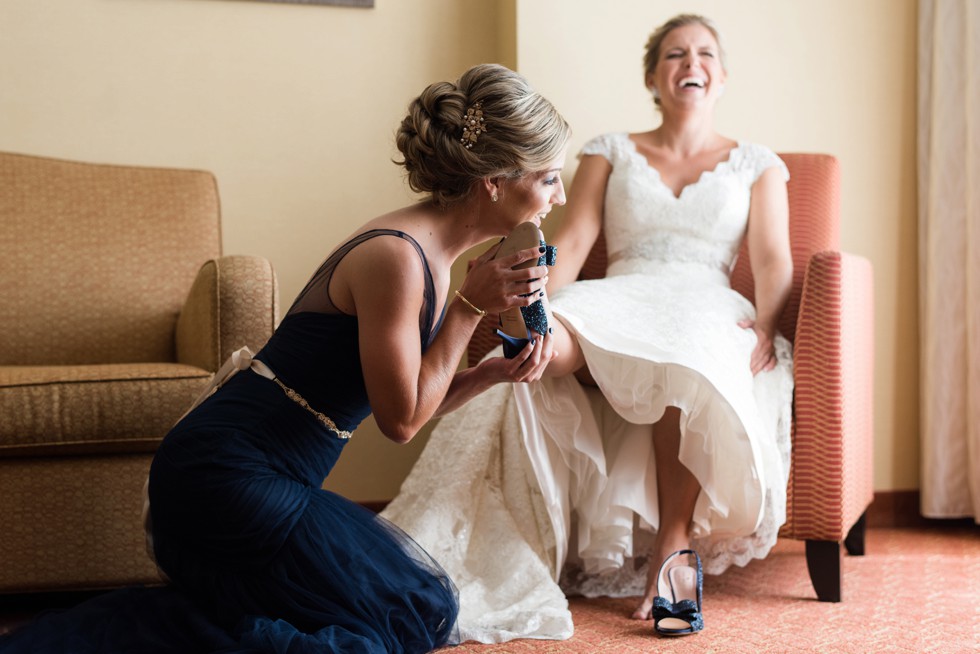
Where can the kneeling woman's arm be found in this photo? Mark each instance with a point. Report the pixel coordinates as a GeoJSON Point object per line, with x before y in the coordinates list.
{"type": "Point", "coordinates": [406, 388]}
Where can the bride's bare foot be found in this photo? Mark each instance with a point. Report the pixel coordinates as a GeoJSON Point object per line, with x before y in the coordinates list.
{"type": "Point", "coordinates": [644, 611]}
{"type": "Point", "coordinates": [658, 554]}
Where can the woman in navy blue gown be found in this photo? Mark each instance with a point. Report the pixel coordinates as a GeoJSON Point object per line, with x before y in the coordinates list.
{"type": "Point", "coordinates": [260, 558]}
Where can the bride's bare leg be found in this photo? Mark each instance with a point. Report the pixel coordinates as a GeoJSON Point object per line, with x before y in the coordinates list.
{"type": "Point", "coordinates": [570, 358]}
{"type": "Point", "coordinates": [677, 494]}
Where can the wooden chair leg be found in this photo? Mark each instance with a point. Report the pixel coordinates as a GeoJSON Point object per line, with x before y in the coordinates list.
{"type": "Point", "coordinates": [854, 543]}
{"type": "Point", "coordinates": [823, 563]}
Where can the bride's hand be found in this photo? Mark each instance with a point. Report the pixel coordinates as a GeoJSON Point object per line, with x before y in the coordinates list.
{"type": "Point", "coordinates": [764, 353]}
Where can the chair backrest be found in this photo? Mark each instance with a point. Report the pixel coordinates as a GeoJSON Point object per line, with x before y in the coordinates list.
{"type": "Point", "coordinates": [96, 260]}
{"type": "Point", "coordinates": [814, 226]}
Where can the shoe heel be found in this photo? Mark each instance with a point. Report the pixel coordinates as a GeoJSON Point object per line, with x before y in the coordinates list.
{"type": "Point", "coordinates": [512, 346]}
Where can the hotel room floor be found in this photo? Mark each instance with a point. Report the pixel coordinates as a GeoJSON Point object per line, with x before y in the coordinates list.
{"type": "Point", "coordinates": [915, 590]}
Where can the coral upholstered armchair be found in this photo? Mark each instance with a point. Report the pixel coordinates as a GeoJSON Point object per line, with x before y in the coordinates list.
{"type": "Point", "coordinates": [116, 307]}
{"type": "Point", "coordinates": [829, 320]}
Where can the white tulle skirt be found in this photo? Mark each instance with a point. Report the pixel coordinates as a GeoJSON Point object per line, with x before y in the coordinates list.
{"type": "Point", "coordinates": [532, 485]}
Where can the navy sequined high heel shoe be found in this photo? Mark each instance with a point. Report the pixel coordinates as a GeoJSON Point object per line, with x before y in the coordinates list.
{"type": "Point", "coordinates": [518, 324]}
{"type": "Point", "coordinates": [677, 608]}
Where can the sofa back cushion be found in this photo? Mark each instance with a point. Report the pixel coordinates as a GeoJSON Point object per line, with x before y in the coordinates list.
{"type": "Point", "coordinates": [96, 260]}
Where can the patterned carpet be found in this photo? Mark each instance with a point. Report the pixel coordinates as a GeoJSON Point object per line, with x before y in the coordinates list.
{"type": "Point", "coordinates": [914, 591]}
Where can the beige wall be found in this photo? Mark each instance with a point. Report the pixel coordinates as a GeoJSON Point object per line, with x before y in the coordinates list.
{"type": "Point", "coordinates": [294, 107]}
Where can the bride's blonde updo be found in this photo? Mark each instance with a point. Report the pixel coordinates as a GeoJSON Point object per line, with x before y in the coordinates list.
{"type": "Point", "coordinates": [510, 130]}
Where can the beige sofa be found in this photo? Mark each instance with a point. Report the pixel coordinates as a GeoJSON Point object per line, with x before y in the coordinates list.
{"type": "Point", "coordinates": [116, 307]}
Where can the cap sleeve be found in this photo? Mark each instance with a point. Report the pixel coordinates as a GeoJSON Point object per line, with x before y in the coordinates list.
{"type": "Point", "coordinates": [604, 145]}
{"type": "Point", "coordinates": [757, 159]}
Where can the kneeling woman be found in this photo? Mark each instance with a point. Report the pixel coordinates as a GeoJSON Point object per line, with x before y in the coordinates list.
{"type": "Point", "coordinates": [259, 556]}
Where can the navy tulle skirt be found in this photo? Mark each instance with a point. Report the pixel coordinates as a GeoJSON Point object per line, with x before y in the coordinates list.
{"type": "Point", "coordinates": [261, 559]}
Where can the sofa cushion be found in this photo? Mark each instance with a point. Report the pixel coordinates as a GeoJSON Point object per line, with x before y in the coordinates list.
{"type": "Point", "coordinates": [54, 410]}
{"type": "Point", "coordinates": [96, 260]}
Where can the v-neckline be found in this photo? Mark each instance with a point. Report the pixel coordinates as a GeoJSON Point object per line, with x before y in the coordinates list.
{"type": "Point", "coordinates": [709, 171]}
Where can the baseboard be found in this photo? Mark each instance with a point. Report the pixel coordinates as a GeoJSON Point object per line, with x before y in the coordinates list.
{"type": "Point", "coordinates": [895, 509]}
{"type": "Point", "coordinates": [377, 506]}
{"type": "Point", "coordinates": [900, 509]}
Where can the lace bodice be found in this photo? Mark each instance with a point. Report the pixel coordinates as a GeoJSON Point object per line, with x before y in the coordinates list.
{"type": "Point", "coordinates": [645, 223]}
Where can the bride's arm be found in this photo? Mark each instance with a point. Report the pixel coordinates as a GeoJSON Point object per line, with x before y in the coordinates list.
{"type": "Point", "coordinates": [772, 262]}
{"type": "Point", "coordinates": [582, 220]}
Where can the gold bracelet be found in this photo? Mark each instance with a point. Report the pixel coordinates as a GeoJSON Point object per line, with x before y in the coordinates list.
{"type": "Point", "coordinates": [471, 305]}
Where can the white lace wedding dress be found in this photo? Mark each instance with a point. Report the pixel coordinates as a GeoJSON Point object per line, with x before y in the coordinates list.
{"type": "Point", "coordinates": [532, 491]}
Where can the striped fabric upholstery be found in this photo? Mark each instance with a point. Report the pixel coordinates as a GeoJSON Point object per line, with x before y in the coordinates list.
{"type": "Point", "coordinates": [831, 473]}
{"type": "Point", "coordinates": [814, 225]}
{"type": "Point", "coordinates": [829, 318]}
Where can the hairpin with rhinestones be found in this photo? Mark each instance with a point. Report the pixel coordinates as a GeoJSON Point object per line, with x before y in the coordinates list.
{"type": "Point", "coordinates": [473, 125]}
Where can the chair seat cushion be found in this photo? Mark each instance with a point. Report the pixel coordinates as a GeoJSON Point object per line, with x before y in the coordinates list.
{"type": "Point", "coordinates": [62, 410]}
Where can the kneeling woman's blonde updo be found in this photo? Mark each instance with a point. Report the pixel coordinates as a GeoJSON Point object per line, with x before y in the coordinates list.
{"type": "Point", "coordinates": [522, 132]}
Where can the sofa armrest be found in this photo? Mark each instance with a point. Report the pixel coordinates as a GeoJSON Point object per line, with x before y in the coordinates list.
{"type": "Point", "coordinates": [831, 483]}
{"type": "Point", "coordinates": [234, 301]}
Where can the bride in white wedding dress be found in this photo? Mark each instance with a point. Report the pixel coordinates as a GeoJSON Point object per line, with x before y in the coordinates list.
{"type": "Point", "coordinates": [664, 422]}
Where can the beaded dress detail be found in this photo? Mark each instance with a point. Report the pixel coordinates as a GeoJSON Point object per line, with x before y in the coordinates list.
{"type": "Point", "coordinates": [561, 477]}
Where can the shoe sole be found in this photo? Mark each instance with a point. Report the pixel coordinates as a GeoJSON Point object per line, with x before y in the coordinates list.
{"type": "Point", "coordinates": [524, 236]}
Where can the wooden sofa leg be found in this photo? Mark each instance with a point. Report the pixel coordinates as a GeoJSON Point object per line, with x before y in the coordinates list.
{"type": "Point", "coordinates": [854, 543]}
{"type": "Point", "coordinates": [823, 562]}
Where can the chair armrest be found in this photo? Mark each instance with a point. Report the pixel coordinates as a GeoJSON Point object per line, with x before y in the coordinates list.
{"type": "Point", "coordinates": [234, 301]}
{"type": "Point", "coordinates": [484, 339]}
{"type": "Point", "coordinates": [831, 480]}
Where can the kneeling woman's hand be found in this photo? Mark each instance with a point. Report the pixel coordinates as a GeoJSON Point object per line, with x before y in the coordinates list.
{"type": "Point", "coordinates": [528, 366]}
